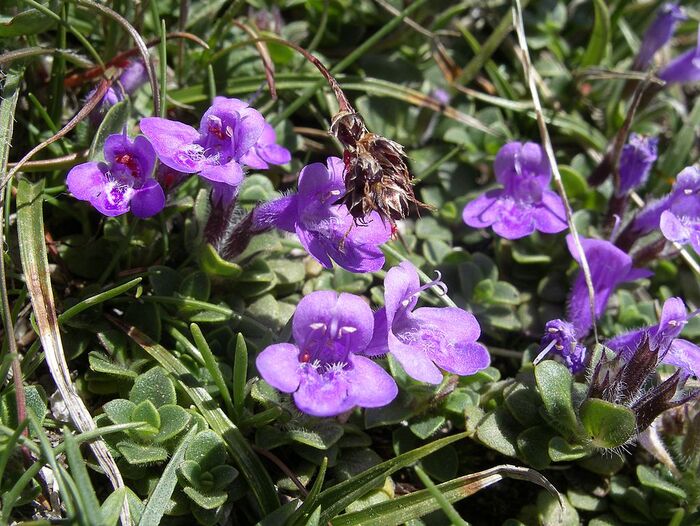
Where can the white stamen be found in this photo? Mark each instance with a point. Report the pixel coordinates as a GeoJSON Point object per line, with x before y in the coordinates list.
{"type": "Point", "coordinates": [317, 325]}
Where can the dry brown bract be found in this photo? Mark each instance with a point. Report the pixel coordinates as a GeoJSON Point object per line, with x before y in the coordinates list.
{"type": "Point", "coordinates": [376, 175]}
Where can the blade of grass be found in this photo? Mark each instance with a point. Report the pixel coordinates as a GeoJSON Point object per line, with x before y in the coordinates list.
{"type": "Point", "coordinates": [420, 503]}
{"type": "Point", "coordinates": [7, 119]}
{"type": "Point", "coordinates": [89, 505]}
{"type": "Point", "coordinates": [30, 227]}
{"type": "Point", "coordinates": [97, 299]}
{"type": "Point", "coordinates": [212, 366]}
{"type": "Point", "coordinates": [159, 499]}
{"type": "Point", "coordinates": [446, 506]}
{"type": "Point", "coordinates": [547, 143]}
{"type": "Point", "coordinates": [240, 375]}
{"type": "Point", "coordinates": [310, 500]}
{"type": "Point", "coordinates": [249, 464]}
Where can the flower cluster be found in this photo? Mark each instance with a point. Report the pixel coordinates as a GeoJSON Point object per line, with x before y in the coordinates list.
{"type": "Point", "coordinates": [525, 203]}
{"type": "Point", "coordinates": [231, 136]}
{"type": "Point", "coordinates": [329, 369]}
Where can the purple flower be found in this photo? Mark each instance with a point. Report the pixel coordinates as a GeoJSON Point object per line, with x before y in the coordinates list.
{"type": "Point", "coordinates": [327, 230]}
{"type": "Point", "coordinates": [524, 204]}
{"type": "Point", "coordinates": [122, 183]}
{"type": "Point", "coordinates": [682, 201]}
{"type": "Point", "coordinates": [133, 76]}
{"type": "Point", "coordinates": [636, 160]}
{"type": "Point", "coordinates": [609, 267]}
{"type": "Point", "coordinates": [266, 151]}
{"type": "Point", "coordinates": [659, 33]}
{"type": "Point", "coordinates": [684, 68]}
{"type": "Point", "coordinates": [324, 369]}
{"type": "Point", "coordinates": [228, 129]}
{"type": "Point", "coordinates": [560, 338]}
{"type": "Point", "coordinates": [426, 338]}
{"type": "Point", "coordinates": [663, 339]}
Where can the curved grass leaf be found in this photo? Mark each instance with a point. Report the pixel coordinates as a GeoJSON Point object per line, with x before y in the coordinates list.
{"type": "Point", "coordinates": [600, 38]}
{"type": "Point", "coordinates": [420, 503]}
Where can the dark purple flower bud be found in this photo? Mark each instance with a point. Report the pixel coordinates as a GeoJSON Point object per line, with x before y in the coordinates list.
{"type": "Point", "coordinates": [636, 160]}
{"type": "Point", "coordinates": [327, 229]}
{"type": "Point", "coordinates": [560, 339]}
{"type": "Point", "coordinates": [133, 76]}
{"type": "Point", "coordinates": [609, 268]}
{"type": "Point", "coordinates": [228, 130]}
{"type": "Point", "coordinates": [659, 33]}
{"type": "Point", "coordinates": [124, 182]}
{"type": "Point", "coordinates": [324, 369]}
{"type": "Point", "coordinates": [169, 178]}
{"type": "Point", "coordinates": [427, 339]}
{"type": "Point", "coordinates": [660, 399]}
{"type": "Point", "coordinates": [525, 203]}
{"type": "Point", "coordinates": [684, 68]}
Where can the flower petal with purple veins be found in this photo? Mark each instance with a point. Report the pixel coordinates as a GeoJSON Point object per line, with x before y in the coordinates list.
{"type": "Point", "coordinates": [685, 355]}
{"type": "Point", "coordinates": [550, 216]}
{"type": "Point", "coordinates": [483, 211]}
{"type": "Point", "coordinates": [325, 394]}
{"type": "Point", "coordinates": [230, 173]}
{"type": "Point", "coordinates": [266, 151]}
{"type": "Point", "coordinates": [417, 364]}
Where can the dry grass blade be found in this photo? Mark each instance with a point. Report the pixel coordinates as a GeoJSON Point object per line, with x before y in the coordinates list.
{"type": "Point", "coordinates": [84, 111]}
{"type": "Point", "coordinates": [264, 56]}
{"type": "Point", "coordinates": [140, 44]}
{"type": "Point", "coordinates": [528, 70]}
{"type": "Point", "coordinates": [30, 227]}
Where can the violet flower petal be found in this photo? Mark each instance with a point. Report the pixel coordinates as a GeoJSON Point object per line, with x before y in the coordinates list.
{"type": "Point", "coordinates": [174, 143]}
{"type": "Point", "coordinates": [417, 365]}
{"type": "Point", "coordinates": [370, 385]}
{"type": "Point", "coordinates": [659, 33]}
{"type": "Point", "coordinates": [323, 394]}
{"type": "Point", "coordinates": [483, 211]}
{"type": "Point", "coordinates": [148, 200]}
{"type": "Point", "coordinates": [85, 180]}
{"type": "Point", "coordinates": [279, 366]}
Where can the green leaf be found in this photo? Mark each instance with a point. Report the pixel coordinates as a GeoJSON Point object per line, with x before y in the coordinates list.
{"type": "Point", "coordinates": [321, 436]}
{"type": "Point", "coordinates": [499, 431]}
{"type": "Point", "coordinates": [532, 445]}
{"type": "Point", "coordinates": [27, 22]}
{"type": "Point", "coordinates": [554, 382]}
{"type": "Point", "coordinates": [208, 500]}
{"type": "Point", "coordinates": [119, 410]}
{"type": "Point", "coordinates": [310, 500]}
{"type": "Point", "coordinates": [608, 425]}
{"type": "Point", "coordinates": [190, 472]}
{"type": "Point", "coordinates": [649, 478]}
{"type": "Point", "coordinates": [427, 425]}
{"type": "Point", "coordinates": [153, 385]}
{"type": "Point", "coordinates": [560, 450]}
{"type": "Point", "coordinates": [102, 364]}
{"type": "Point", "coordinates": [146, 412]}
{"type": "Point", "coordinates": [174, 420]}
{"type": "Point", "coordinates": [159, 500]}
{"type": "Point", "coordinates": [240, 374]}
{"type": "Point", "coordinates": [113, 123]}
{"type": "Point", "coordinates": [196, 286]}
{"type": "Point", "coordinates": [207, 450]}
{"type": "Point", "coordinates": [215, 265]}
{"type": "Point", "coordinates": [112, 506]}
{"type": "Point", "coordinates": [223, 476]}
{"type": "Point", "coordinates": [600, 37]}
{"type": "Point", "coordinates": [139, 454]}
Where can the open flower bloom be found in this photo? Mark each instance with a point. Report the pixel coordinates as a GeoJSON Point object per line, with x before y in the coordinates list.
{"type": "Point", "coordinates": [266, 151]}
{"type": "Point", "coordinates": [682, 201]}
{"type": "Point", "coordinates": [327, 230]}
{"type": "Point", "coordinates": [684, 68]}
{"type": "Point", "coordinates": [609, 267]}
{"type": "Point", "coordinates": [664, 339]}
{"type": "Point", "coordinates": [659, 33]}
{"type": "Point", "coordinates": [124, 182]}
{"type": "Point", "coordinates": [426, 338]}
{"type": "Point", "coordinates": [525, 203]}
{"type": "Point", "coordinates": [560, 339]}
{"type": "Point", "coordinates": [227, 131]}
{"type": "Point", "coordinates": [323, 368]}
{"type": "Point", "coordinates": [636, 160]}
